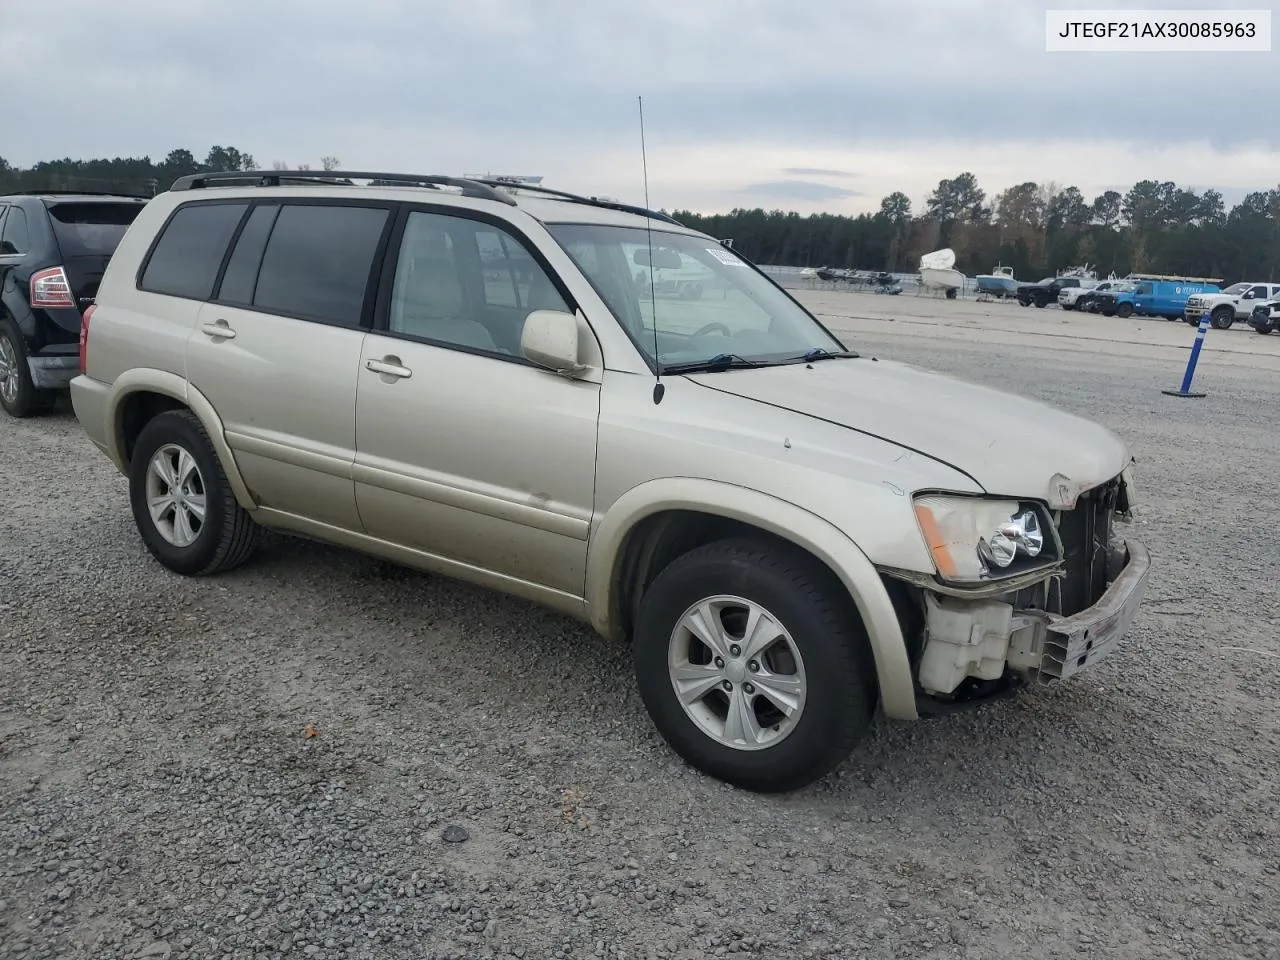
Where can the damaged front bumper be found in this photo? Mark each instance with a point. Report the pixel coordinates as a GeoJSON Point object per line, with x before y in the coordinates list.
{"type": "Point", "coordinates": [1076, 643]}
{"type": "Point", "coordinates": [978, 649]}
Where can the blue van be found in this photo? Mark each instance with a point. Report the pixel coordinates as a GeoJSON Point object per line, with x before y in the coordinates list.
{"type": "Point", "coordinates": [1154, 296]}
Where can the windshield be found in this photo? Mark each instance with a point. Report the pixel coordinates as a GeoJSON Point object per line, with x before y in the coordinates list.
{"type": "Point", "coordinates": [709, 303]}
{"type": "Point", "coordinates": [91, 229]}
{"type": "Point", "coordinates": [1236, 288]}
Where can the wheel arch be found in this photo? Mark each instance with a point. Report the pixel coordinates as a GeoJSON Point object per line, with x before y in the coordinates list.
{"type": "Point", "coordinates": [656, 521]}
{"type": "Point", "coordinates": [139, 395]}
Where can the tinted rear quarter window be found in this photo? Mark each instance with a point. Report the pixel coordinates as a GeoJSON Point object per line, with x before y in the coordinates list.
{"type": "Point", "coordinates": [318, 261]}
{"type": "Point", "coordinates": [16, 237]}
{"type": "Point", "coordinates": [185, 261]}
{"type": "Point", "coordinates": [91, 229]}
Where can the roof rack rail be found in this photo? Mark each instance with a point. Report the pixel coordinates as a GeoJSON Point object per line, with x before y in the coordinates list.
{"type": "Point", "coordinates": [512, 183]}
{"type": "Point", "coordinates": [275, 178]}
{"type": "Point", "coordinates": [1161, 276]}
{"type": "Point", "coordinates": [60, 192]}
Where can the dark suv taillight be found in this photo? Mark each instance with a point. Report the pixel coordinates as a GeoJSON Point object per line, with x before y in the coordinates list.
{"type": "Point", "coordinates": [84, 336]}
{"type": "Point", "coordinates": [51, 288]}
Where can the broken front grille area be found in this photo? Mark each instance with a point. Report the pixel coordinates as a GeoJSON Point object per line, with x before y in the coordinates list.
{"type": "Point", "coordinates": [1088, 557]}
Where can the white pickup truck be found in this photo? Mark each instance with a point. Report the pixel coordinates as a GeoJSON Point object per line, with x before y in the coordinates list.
{"type": "Point", "coordinates": [1234, 303]}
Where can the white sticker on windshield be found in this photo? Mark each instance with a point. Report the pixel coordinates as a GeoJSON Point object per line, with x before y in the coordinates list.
{"type": "Point", "coordinates": [725, 257]}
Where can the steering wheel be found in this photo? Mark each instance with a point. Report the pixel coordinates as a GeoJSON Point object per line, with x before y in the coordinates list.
{"type": "Point", "coordinates": [714, 325]}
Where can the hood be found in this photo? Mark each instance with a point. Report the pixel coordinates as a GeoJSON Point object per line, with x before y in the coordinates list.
{"type": "Point", "coordinates": [1009, 445]}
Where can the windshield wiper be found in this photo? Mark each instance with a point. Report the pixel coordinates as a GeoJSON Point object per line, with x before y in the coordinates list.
{"type": "Point", "coordinates": [721, 361]}
{"type": "Point", "coordinates": [822, 353]}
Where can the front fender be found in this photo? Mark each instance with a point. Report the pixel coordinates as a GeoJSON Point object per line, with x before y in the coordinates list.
{"type": "Point", "coordinates": [160, 381]}
{"type": "Point", "coordinates": [786, 520]}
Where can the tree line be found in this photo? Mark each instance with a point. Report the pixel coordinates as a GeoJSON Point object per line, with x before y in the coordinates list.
{"type": "Point", "coordinates": [1154, 227]}
{"type": "Point", "coordinates": [1037, 229]}
{"type": "Point", "coordinates": [135, 175]}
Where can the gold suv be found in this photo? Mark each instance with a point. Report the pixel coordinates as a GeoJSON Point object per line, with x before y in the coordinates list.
{"type": "Point", "coordinates": [590, 406]}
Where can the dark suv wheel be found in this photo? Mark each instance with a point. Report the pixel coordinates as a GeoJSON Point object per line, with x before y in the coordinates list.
{"type": "Point", "coordinates": [182, 503]}
{"type": "Point", "coordinates": [751, 661]}
{"type": "Point", "coordinates": [18, 395]}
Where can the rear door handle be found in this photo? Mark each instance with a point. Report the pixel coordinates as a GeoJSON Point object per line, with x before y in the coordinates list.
{"type": "Point", "coordinates": [219, 329]}
{"type": "Point", "coordinates": [389, 367]}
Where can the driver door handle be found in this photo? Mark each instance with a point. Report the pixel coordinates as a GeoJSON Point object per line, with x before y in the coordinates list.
{"type": "Point", "coordinates": [389, 367]}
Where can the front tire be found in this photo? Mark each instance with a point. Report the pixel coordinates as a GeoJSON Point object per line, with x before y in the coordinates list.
{"type": "Point", "coordinates": [182, 503]}
{"type": "Point", "coordinates": [1124, 311]}
{"type": "Point", "coordinates": [753, 664]}
{"type": "Point", "coordinates": [1222, 318]}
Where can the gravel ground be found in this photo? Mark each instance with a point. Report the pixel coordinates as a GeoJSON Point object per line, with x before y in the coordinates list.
{"type": "Point", "coordinates": [325, 756]}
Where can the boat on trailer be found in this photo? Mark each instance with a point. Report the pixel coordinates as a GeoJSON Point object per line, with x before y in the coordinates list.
{"type": "Point", "coordinates": [999, 283]}
{"type": "Point", "coordinates": [937, 272]}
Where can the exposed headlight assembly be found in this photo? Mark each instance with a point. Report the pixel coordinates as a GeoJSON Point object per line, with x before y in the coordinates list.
{"type": "Point", "coordinates": [972, 539]}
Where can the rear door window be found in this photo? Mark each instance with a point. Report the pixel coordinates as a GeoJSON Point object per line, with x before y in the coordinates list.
{"type": "Point", "coordinates": [318, 261]}
{"type": "Point", "coordinates": [185, 260]}
{"type": "Point", "coordinates": [88, 229]}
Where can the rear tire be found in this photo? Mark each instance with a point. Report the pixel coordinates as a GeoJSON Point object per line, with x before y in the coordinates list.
{"type": "Point", "coordinates": [818, 663]}
{"type": "Point", "coordinates": [182, 503]}
{"type": "Point", "coordinates": [1222, 318]}
{"type": "Point", "coordinates": [18, 395]}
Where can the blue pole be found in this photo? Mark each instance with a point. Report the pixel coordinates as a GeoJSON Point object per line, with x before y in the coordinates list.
{"type": "Point", "coordinates": [1185, 389]}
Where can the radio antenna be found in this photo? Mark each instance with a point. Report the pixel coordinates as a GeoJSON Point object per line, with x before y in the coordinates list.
{"type": "Point", "coordinates": [658, 387]}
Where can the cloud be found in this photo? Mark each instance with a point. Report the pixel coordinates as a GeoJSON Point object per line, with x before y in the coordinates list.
{"type": "Point", "coordinates": [551, 87]}
{"type": "Point", "coordinates": [798, 190]}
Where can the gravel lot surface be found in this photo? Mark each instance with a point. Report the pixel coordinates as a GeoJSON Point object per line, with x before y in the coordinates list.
{"type": "Point", "coordinates": [163, 795]}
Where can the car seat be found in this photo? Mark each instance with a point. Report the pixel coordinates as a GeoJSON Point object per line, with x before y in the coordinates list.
{"type": "Point", "coordinates": [428, 299]}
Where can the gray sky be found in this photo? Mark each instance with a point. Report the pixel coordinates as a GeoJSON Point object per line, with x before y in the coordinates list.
{"type": "Point", "coordinates": [824, 105]}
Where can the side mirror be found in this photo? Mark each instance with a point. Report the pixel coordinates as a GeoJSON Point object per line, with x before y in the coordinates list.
{"type": "Point", "coordinates": [550, 339]}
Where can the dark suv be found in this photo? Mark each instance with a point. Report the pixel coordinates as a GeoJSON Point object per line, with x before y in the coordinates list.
{"type": "Point", "coordinates": [54, 247]}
